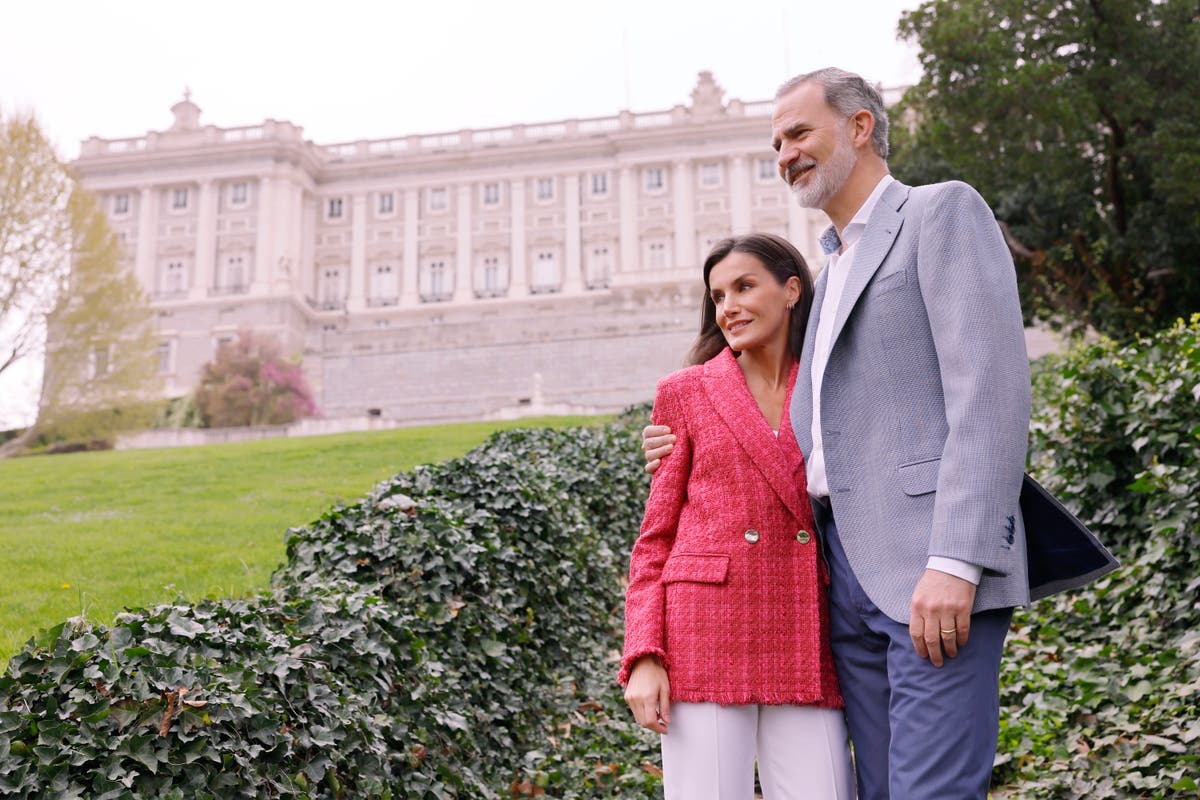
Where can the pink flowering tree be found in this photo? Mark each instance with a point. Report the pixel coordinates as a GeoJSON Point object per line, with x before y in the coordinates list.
{"type": "Point", "coordinates": [249, 382]}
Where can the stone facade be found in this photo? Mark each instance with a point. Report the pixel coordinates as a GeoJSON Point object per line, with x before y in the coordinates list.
{"type": "Point", "coordinates": [450, 275]}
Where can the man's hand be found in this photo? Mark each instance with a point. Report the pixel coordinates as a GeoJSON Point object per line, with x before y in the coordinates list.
{"type": "Point", "coordinates": [657, 441]}
{"type": "Point", "coordinates": [649, 694]}
{"type": "Point", "coordinates": [940, 618]}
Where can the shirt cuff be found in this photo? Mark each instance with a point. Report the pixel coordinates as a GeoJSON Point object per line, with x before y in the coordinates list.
{"type": "Point", "coordinates": [959, 569]}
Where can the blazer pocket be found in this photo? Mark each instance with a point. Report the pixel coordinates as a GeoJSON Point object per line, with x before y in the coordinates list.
{"type": "Point", "coordinates": [920, 477]}
{"type": "Point", "coordinates": [887, 283]}
{"type": "Point", "coordinates": [696, 568]}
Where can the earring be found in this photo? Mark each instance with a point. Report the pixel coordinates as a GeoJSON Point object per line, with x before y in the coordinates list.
{"type": "Point", "coordinates": [790, 306]}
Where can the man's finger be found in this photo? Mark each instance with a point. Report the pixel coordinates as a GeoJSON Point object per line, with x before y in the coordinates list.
{"type": "Point", "coordinates": [949, 634]}
{"type": "Point", "coordinates": [916, 630]}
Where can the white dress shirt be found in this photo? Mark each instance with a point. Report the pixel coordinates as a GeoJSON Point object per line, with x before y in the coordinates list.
{"type": "Point", "coordinates": [839, 265]}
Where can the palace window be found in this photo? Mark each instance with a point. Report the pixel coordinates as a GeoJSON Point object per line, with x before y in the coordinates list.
{"type": "Point", "coordinates": [599, 184]}
{"type": "Point", "coordinates": [491, 194]}
{"type": "Point", "coordinates": [599, 266]}
{"type": "Point", "coordinates": [710, 175]}
{"type": "Point", "coordinates": [438, 199]}
{"type": "Point", "coordinates": [767, 170]}
{"type": "Point", "coordinates": [166, 352]}
{"type": "Point", "coordinates": [436, 281]}
{"type": "Point", "coordinates": [655, 179]}
{"type": "Point", "coordinates": [120, 205]}
{"type": "Point", "coordinates": [656, 254]}
{"type": "Point", "coordinates": [333, 289]}
{"type": "Point", "coordinates": [99, 361]}
{"type": "Point", "coordinates": [334, 208]}
{"type": "Point", "coordinates": [179, 199]}
{"type": "Point", "coordinates": [384, 286]}
{"type": "Point", "coordinates": [234, 277]}
{"type": "Point", "coordinates": [545, 189]}
{"type": "Point", "coordinates": [174, 278]}
{"type": "Point", "coordinates": [239, 194]}
{"type": "Point", "coordinates": [545, 272]}
{"type": "Point", "coordinates": [387, 203]}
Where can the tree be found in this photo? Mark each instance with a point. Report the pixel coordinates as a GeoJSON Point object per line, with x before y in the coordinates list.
{"type": "Point", "coordinates": [64, 296]}
{"type": "Point", "coordinates": [251, 383]}
{"type": "Point", "coordinates": [34, 232]}
{"type": "Point", "coordinates": [1076, 119]}
{"type": "Point", "coordinates": [101, 371]}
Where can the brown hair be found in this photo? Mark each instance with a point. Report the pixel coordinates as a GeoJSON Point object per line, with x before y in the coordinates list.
{"type": "Point", "coordinates": [781, 260]}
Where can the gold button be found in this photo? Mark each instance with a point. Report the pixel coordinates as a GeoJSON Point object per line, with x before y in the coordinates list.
{"type": "Point", "coordinates": [752, 536]}
{"type": "Point", "coordinates": [803, 537]}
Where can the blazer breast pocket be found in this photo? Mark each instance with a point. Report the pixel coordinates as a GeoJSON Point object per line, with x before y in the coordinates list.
{"type": "Point", "coordinates": [885, 284]}
{"type": "Point", "coordinates": [696, 568]}
{"type": "Point", "coordinates": [919, 477]}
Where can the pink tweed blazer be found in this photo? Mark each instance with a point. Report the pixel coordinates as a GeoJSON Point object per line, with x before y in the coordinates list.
{"type": "Point", "coordinates": [726, 583]}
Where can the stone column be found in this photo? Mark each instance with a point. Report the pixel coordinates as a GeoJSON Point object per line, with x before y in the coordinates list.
{"type": "Point", "coordinates": [264, 237]}
{"type": "Point", "coordinates": [409, 294]}
{"type": "Point", "coordinates": [147, 241]}
{"type": "Point", "coordinates": [629, 260]}
{"type": "Point", "coordinates": [573, 274]}
{"type": "Point", "coordinates": [204, 277]}
{"type": "Point", "coordinates": [739, 196]}
{"type": "Point", "coordinates": [685, 216]}
{"type": "Point", "coordinates": [463, 273]}
{"type": "Point", "coordinates": [518, 280]}
{"type": "Point", "coordinates": [289, 211]}
{"type": "Point", "coordinates": [306, 279]}
{"type": "Point", "coordinates": [356, 295]}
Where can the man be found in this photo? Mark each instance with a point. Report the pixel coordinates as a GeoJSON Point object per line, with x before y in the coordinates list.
{"type": "Point", "coordinates": [912, 411]}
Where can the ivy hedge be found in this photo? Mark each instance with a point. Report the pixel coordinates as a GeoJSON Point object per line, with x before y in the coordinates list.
{"type": "Point", "coordinates": [452, 635]}
{"type": "Point", "coordinates": [455, 633]}
{"type": "Point", "coordinates": [1101, 688]}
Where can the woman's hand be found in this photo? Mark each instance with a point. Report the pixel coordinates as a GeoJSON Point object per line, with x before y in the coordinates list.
{"type": "Point", "coordinates": [648, 694]}
{"type": "Point", "coordinates": [657, 441]}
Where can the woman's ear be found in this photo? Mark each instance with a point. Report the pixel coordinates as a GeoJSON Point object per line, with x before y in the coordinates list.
{"type": "Point", "coordinates": [794, 290]}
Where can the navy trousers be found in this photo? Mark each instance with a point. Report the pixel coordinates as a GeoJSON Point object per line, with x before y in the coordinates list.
{"type": "Point", "coordinates": [919, 732]}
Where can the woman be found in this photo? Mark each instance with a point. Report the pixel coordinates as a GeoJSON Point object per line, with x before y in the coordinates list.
{"type": "Point", "coordinates": [726, 627]}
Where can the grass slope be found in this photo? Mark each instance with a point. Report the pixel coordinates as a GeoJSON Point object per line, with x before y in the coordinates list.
{"type": "Point", "coordinates": [93, 533]}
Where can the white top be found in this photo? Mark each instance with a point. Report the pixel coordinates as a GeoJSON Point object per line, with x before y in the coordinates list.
{"type": "Point", "coordinates": [838, 267]}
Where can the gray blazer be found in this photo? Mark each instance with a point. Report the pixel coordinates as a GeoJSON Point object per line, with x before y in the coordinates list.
{"type": "Point", "coordinates": [925, 399]}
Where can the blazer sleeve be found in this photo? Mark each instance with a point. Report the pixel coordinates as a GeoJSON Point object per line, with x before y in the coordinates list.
{"type": "Point", "coordinates": [969, 287]}
{"type": "Point", "coordinates": [645, 597]}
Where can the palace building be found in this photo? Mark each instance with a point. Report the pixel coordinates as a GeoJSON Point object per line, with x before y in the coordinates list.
{"type": "Point", "coordinates": [446, 276]}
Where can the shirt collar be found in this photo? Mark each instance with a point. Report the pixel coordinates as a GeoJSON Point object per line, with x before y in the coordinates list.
{"type": "Point", "coordinates": [832, 242]}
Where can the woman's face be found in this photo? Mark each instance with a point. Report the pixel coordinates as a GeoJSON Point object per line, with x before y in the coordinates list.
{"type": "Point", "coordinates": [752, 306]}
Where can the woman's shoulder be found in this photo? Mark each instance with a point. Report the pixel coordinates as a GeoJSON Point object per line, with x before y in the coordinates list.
{"type": "Point", "coordinates": [690, 378]}
{"type": "Point", "coordinates": [681, 380]}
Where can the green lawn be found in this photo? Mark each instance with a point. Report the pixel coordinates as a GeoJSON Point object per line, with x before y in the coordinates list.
{"type": "Point", "coordinates": [93, 533]}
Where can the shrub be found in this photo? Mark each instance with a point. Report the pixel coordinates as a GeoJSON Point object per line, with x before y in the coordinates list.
{"type": "Point", "coordinates": [251, 383]}
{"type": "Point", "coordinates": [452, 635]}
{"type": "Point", "coordinates": [1102, 687]}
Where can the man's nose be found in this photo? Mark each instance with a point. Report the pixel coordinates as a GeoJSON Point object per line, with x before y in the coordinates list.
{"type": "Point", "coordinates": [787, 154]}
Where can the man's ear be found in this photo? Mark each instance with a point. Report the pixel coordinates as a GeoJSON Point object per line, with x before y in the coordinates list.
{"type": "Point", "coordinates": [864, 125]}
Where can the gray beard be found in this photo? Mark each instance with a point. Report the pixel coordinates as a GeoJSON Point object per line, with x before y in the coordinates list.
{"type": "Point", "coordinates": [825, 180]}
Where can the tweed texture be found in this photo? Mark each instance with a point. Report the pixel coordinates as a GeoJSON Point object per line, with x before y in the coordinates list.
{"type": "Point", "coordinates": [726, 581]}
{"type": "Point", "coordinates": [925, 399]}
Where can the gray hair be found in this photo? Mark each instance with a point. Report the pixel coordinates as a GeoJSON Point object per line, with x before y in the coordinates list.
{"type": "Point", "coordinates": [848, 94]}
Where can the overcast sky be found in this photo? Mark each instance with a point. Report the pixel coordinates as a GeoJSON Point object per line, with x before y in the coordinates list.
{"type": "Point", "coordinates": [353, 70]}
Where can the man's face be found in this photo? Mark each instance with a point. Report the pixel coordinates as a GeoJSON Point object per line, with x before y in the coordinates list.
{"type": "Point", "coordinates": [816, 156]}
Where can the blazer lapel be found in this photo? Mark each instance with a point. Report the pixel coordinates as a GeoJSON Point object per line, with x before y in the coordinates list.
{"type": "Point", "coordinates": [876, 241]}
{"type": "Point", "coordinates": [800, 408]}
{"type": "Point", "coordinates": [730, 396]}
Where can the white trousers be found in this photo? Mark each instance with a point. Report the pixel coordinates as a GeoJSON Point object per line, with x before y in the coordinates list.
{"type": "Point", "coordinates": [803, 753]}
